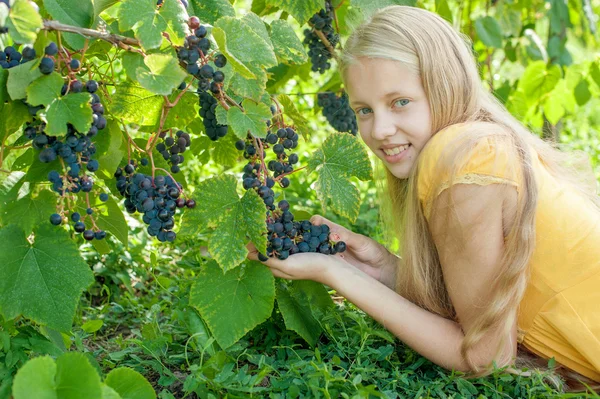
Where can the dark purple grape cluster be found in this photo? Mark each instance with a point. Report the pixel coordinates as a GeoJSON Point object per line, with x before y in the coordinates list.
{"type": "Point", "coordinates": [288, 237]}
{"type": "Point", "coordinates": [338, 112]}
{"type": "Point", "coordinates": [10, 57]}
{"type": "Point", "coordinates": [172, 149]}
{"type": "Point", "coordinates": [194, 56]}
{"type": "Point", "coordinates": [317, 50]}
{"type": "Point", "coordinates": [157, 199]}
{"type": "Point", "coordinates": [79, 222]}
{"type": "Point", "coordinates": [208, 109]}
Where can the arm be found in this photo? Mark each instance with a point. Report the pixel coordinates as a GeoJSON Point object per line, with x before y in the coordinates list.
{"type": "Point", "coordinates": [468, 266]}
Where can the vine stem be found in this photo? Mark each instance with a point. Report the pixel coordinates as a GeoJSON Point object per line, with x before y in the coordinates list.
{"type": "Point", "coordinates": [91, 33]}
{"type": "Point", "coordinates": [232, 101]}
{"type": "Point", "coordinates": [327, 44]}
{"type": "Point", "coordinates": [175, 181]}
{"type": "Point", "coordinates": [281, 176]}
{"type": "Point", "coordinates": [261, 151]}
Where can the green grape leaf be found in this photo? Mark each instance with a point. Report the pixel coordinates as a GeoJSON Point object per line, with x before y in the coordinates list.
{"type": "Point", "coordinates": [222, 151]}
{"type": "Point", "coordinates": [72, 108]}
{"type": "Point", "coordinates": [370, 6]}
{"type": "Point", "coordinates": [253, 119]}
{"type": "Point", "coordinates": [108, 392]}
{"type": "Point", "coordinates": [133, 103]}
{"type": "Point", "coordinates": [221, 114]}
{"type": "Point", "coordinates": [209, 11]}
{"type": "Point", "coordinates": [553, 108]}
{"type": "Point", "coordinates": [594, 72]}
{"type": "Point", "coordinates": [258, 26]}
{"type": "Point", "coordinates": [110, 150]}
{"type": "Point", "coordinates": [23, 22]}
{"type": "Point", "coordinates": [233, 303]}
{"type": "Point", "coordinates": [4, 97]}
{"type": "Point", "coordinates": [129, 384]}
{"type": "Point", "coordinates": [76, 378]}
{"type": "Point", "coordinates": [300, 10]}
{"type": "Point", "coordinates": [245, 44]}
{"type": "Point", "coordinates": [251, 88]}
{"type": "Point", "coordinates": [489, 31]}
{"type": "Point", "coordinates": [288, 46]}
{"type": "Point", "coordinates": [148, 23]}
{"type": "Point", "coordinates": [28, 211]}
{"type": "Point", "coordinates": [42, 280]}
{"type": "Point", "coordinates": [35, 379]}
{"type": "Point", "coordinates": [221, 38]}
{"type": "Point", "coordinates": [75, 13]}
{"type": "Point", "coordinates": [109, 217]}
{"type": "Point", "coordinates": [538, 80]}
{"type": "Point", "coordinates": [14, 115]}
{"type": "Point", "coordinates": [160, 74]}
{"type": "Point", "coordinates": [227, 244]}
{"type": "Point", "coordinates": [216, 195]}
{"type": "Point", "coordinates": [19, 78]}
{"type": "Point", "coordinates": [45, 89]}
{"type": "Point", "coordinates": [290, 111]}
{"type": "Point", "coordinates": [182, 114]}
{"type": "Point", "coordinates": [582, 92]}
{"type": "Point", "coordinates": [341, 157]}
{"type": "Point", "coordinates": [131, 62]}
{"type": "Point", "coordinates": [302, 304]}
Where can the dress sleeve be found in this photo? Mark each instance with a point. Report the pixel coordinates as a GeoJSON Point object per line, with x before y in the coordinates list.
{"type": "Point", "coordinates": [472, 157]}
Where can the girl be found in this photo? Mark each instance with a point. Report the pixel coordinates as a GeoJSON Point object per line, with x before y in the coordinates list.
{"type": "Point", "coordinates": [499, 236]}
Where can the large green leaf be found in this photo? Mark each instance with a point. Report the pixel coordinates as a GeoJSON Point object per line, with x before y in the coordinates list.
{"type": "Point", "coordinates": [252, 88]}
{"type": "Point", "coordinates": [133, 103]}
{"type": "Point", "coordinates": [28, 211]}
{"type": "Point", "coordinates": [235, 302]}
{"type": "Point", "coordinates": [14, 115]}
{"type": "Point", "coordinates": [36, 379]}
{"type": "Point", "coordinates": [23, 22]}
{"type": "Point", "coordinates": [110, 217]}
{"type": "Point", "coordinates": [538, 80]}
{"type": "Point", "coordinates": [160, 74]}
{"type": "Point", "coordinates": [110, 150]}
{"type": "Point", "coordinates": [45, 89]}
{"type": "Point", "coordinates": [130, 384]}
{"type": "Point", "coordinates": [75, 13]}
{"type": "Point", "coordinates": [227, 245]}
{"type": "Point", "coordinates": [216, 195]}
{"type": "Point", "coordinates": [341, 157]}
{"type": "Point", "coordinates": [42, 280]}
{"type": "Point", "coordinates": [489, 31]}
{"type": "Point", "coordinates": [252, 119]}
{"type": "Point", "coordinates": [148, 23]}
{"type": "Point", "coordinates": [76, 378]}
{"type": "Point", "coordinates": [182, 114]}
{"type": "Point", "coordinates": [302, 303]}
{"type": "Point", "coordinates": [72, 108]}
{"type": "Point", "coordinates": [288, 46]}
{"type": "Point", "coordinates": [300, 10]}
{"type": "Point", "coordinates": [209, 11]}
{"type": "Point", "coordinates": [19, 78]}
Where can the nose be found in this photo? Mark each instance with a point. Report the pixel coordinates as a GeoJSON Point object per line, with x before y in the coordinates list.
{"type": "Point", "coordinates": [383, 126]}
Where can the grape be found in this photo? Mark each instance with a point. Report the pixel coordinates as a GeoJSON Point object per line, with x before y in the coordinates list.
{"type": "Point", "coordinates": [338, 112]}
{"type": "Point", "coordinates": [208, 106]}
{"type": "Point", "coordinates": [75, 64]}
{"type": "Point", "coordinates": [317, 51]}
{"type": "Point", "coordinates": [51, 49]}
{"type": "Point", "coordinates": [46, 65]}
{"type": "Point", "coordinates": [55, 219]}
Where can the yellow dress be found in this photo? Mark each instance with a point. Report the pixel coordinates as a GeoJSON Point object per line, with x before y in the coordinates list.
{"type": "Point", "coordinates": [560, 312]}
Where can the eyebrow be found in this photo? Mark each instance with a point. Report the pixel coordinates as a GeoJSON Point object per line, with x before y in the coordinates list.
{"type": "Point", "coordinates": [387, 95]}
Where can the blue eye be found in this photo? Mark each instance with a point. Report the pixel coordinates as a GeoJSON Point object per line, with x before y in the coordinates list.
{"type": "Point", "coordinates": [359, 112]}
{"type": "Point", "coordinates": [402, 99]}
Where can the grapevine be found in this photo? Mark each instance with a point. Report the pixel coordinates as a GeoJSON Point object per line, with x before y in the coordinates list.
{"type": "Point", "coordinates": [338, 112]}
{"type": "Point", "coordinates": [321, 39]}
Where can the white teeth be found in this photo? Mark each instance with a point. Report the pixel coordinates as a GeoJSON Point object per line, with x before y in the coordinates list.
{"type": "Point", "coordinates": [396, 150]}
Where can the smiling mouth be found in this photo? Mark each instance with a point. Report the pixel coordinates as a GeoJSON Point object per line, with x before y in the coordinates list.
{"type": "Point", "coordinates": [395, 150]}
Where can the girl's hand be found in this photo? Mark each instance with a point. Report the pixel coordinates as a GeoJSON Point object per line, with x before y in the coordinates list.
{"type": "Point", "coordinates": [362, 252]}
{"type": "Point", "coordinates": [300, 266]}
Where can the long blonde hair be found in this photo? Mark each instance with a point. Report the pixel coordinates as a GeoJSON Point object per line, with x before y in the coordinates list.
{"type": "Point", "coordinates": [442, 57]}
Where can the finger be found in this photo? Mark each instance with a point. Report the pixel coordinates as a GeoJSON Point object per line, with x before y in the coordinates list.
{"type": "Point", "coordinates": [337, 232]}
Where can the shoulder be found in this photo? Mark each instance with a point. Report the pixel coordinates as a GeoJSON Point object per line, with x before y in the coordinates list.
{"type": "Point", "coordinates": [479, 153]}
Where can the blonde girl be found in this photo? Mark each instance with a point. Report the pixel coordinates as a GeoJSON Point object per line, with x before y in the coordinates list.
{"type": "Point", "coordinates": [500, 237]}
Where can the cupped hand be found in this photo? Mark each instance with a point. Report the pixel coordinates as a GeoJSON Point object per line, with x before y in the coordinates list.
{"type": "Point", "coordinates": [300, 266]}
{"type": "Point", "coordinates": [362, 252]}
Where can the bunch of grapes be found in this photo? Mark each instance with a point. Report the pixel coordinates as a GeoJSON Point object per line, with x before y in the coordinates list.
{"type": "Point", "coordinates": [208, 109]}
{"type": "Point", "coordinates": [317, 50]}
{"type": "Point", "coordinates": [10, 57]}
{"type": "Point", "coordinates": [79, 222]}
{"type": "Point", "coordinates": [171, 149]}
{"type": "Point", "coordinates": [286, 237]}
{"type": "Point", "coordinates": [157, 199]}
{"type": "Point", "coordinates": [338, 112]}
{"type": "Point", "coordinates": [194, 56]}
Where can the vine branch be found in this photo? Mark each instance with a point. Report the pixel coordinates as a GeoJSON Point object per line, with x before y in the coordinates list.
{"type": "Point", "coordinates": [91, 33]}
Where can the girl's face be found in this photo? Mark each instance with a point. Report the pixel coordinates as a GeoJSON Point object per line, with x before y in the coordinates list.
{"type": "Point", "coordinates": [392, 111]}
